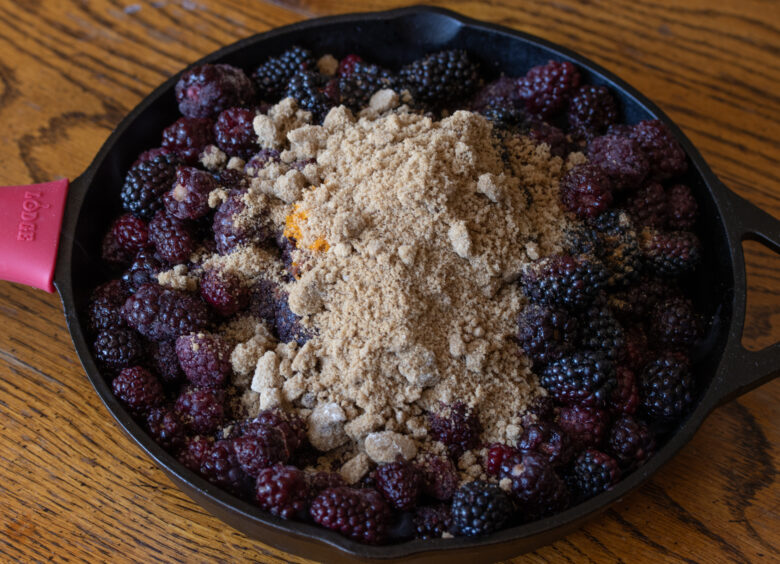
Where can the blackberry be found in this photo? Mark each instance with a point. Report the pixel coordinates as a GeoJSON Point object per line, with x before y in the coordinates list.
{"type": "Point", "coordinates": [638, 300]}
{"type": "Point", "coordinates": [113, 253]}
{"type": "Point", "coordinates": [189, 197]}
{"type": "Point", "coordinates": [161, 314]}
{"type": "Point", "coordinates": [235, 133]}
{"type": "Point", "coordinates": [146, 182]}
{"type": "Point", "coordinates": [504, 116]}
{"type": "Point", "coordinates": [104, 306]}
{"type": "Point", "coordinates": [432, 522]}
{"type": "Point", "coordinates": [227, 235]}
{"type": "Point", "coordinates": [496, 455]}
{"type": "Point", "coordinates": [288, 325]}
{"type": "Point", "coordinates": [171, 237]}
{"type": "Point", "coordinates": [593, 472]}
{"type": "Point", "coordinates": [205, 359]}
{"type": "Point", "coordinates": [546, 333]}
{"type": "Point", "coordinates": [536, 488]}
{"type": "Point", "coordinates": [223, 291]}
{"type": "Point", "coordinates": [503, 91]}
{"type": "Point", "coordinates": [674, 323]}
{"type": "Point", "coordinates": [548, 440]}
{"type": "Point", "coordinates": [540, 409]}
{"type": "Point", "coordinates": [194, 452]}
{"type": "Point", "coordinates": [439, 477]}
{"type": "Point", "coordinates": [292, 426]}
{"type": "Point", "coordinates": [201, 410]}
{"type": "Point", "coordinates": [592, 109]}
{"type": "Point", "coordinates": [458, 428]}
{"type": "Point", "coordinates": [671, 253]}
{"type": "Point", "coordinates": [166, 362]}
{"type": "Point", "coordinates": [348, 63]}
{"type": "Point", "coordinates": [263, 448]}
{"type": "Point", "coordinates": [319, 481]}
{"type": "Point", "coordinates": [118, 347]}
{"type": "Point", "coordinates": [667, 389]}
{"type": "Point", "coordinates": [547, 89]}
{"type": "Point", "coordinates": [363, 80]}
{"type": "Point", "coordinates": [635, 348]}
{"type": "Point", "coordinates": [151, 154]}
{"type": "Point", "coordinates": [480, 508]}
{"type": "Point", "coordinates": [138, 389]}
{"type": "Point", "coordinates": [630, 442]}
{"type": "Point", "coordinates": [130, 232]}
{"type": "Point", "coordinates": [165, 428]}
{"type": "Point", "coordinates": [617, 244]}
{"type": "Point", "coordinates": [233, 180]}
{"type": "Point", "coordinates": [261, 300]}
{"type": "Point", "coordinates": [621, 159]}
{"type": "Point", "coordinates": [553, 137]}
{"type": "Point", "coordinates": [682, 208]}
{"type": "Point", "coordinates": [260, 160]}
{"type": "Point", "coordinates": [625, 396]}
{"type": "Point", "coordinates": [600, 331]}
{"type": "Point", "coordinates": [308, 89]}
{"type": "Point", "coordinates": [359, 514]}
{"type": "Point", "coordinates": [440, 78]}
{"type": "Point", "coordinates": [206, 90]}
{"type": "Point", "coordinates": [564, 280]}
{"type": "Point", "coordinates": [188, 136]}
{"type": "Point", "coordinates": [143, 270]}
{"type": "Point", "coordinates": [282, 491]}
{"type": "Point", "coordinates": [648, 206]}
{"type": "Point", "coordinates": [221, 468]}
{"type": "Point", "coordinates": [399, 483]}
{"type": "Point", "coordinates": [583, 378]}
{"type": "Point", "coordinates": [586, 426]}
{"type": "Point", "coordinates": [586, 190]}
{"type": "Point", "coordinates": [666, 155]}
{"type": "Point", "coordinates": [272, 76]}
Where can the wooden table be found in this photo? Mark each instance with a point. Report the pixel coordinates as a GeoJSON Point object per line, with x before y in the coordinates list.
{"type": "Point", "coordinates": [72, 487]}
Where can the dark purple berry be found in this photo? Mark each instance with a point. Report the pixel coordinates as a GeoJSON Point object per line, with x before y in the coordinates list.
{"type": "Point", "coordinates": [625, 396]}
{"type": "Point", "coordinates": [441, 77]}
{"type": "Point", "coordinates": [547, 89]}
{"type": "Point", "coordinates": [221, 468]}
{"type": "Point", "coordinates": [667, 388]}
{"type": "Point", "coordinates": [549, 440]}
{"type": "Point", "coordinates": [546, 333]}
{"type": "Point", "coordinates": [674, 323]}
{"type": "Point", "coordinates": [272, 76]}
{"type": "Point", "coordinates": [118, 347]}
{"type": "Point", "coordinates": [360, 514]}
{"type": "Point", "coordinates": [189, 197]}
{"type": "Point", "coordinates": [227, 234]}
{"type": "Point", "coordinates": [553, 137]}
{"type": "Point", "coordinates": [600, 331]}
{"type": "Point", "coordinates": [682, 208]}
{"type": "Point", "coordinates": [496, 455]}
{"type": "Point", "coordinates": [536, 488]}
{"type": "Point", "coordinates": [621, 159]}
{"type": "Point", "coordinates": [194, 452]}
{"type": "Point", "coordinates": [282, 491]}
{"type": "Point", "coordinates": [400, 484]}
{"type": "Point", "coordinates": [292, 426]}
{"type": "Point", "coordinates": [235, 132]}
{"type": "Point", "coordinates": [457, 426]}
{"type": "Point", "coordinates": [586, 190]}
{"type": "Point", "coordinates": [144, 270]}
{"type": "Point", "coordinates": [671, 253]}
{"type": "Point", "coordinates": [165, 361]}
{"type": "Point", "coordinates": [262, 448]}
{"type": "Point", "coordinates": [206, 90]}
{"type": "Point", "coordinates": [586, 426]}
{"type": "Point", "coordinates": [105, 304]}
{"type": "Point", "coordinates": [188, 136]}
{"type": "Point", "coordinates": [480, 508]}
{"type": "Point", "coordinates": [113, 253]}
{"type": "Point", "coordinates": [138, 389]}
{"type": "Point", "coordinates": [224, 291]}
{"type": "Point", "coordinates": [630, 442]}
{"type": "Point", "coordinates": [205, 359]}
{"type": "Point", "coordinates": [171, 237]}
{"type": "Point", "coordinates": [667, 157]}
{"type": "Point", "coordinates": [593, 472]}
{"type": "Point", "coordinates": [165, 428]}
{"type": "Point", "coordinates": [432, 522]}
{"type": "Point", "coordinates": [260, 160]}
{"type": "Point", "coordinates": [592, 109]}
{"type": "Point", "coordinates": [583, 378]}
{"type": "Point", "coordinates": [288, 325]}
{"type": "Point", "coordinates": [146, 182]}
{"type": "Point", "coordinates": [201, 409]}
{"type": "Point", "coordinates": [161, 314]}
{"type": "Point", "coordinates": [648, 206]}
{"type": "Point", "coordinates": [564, 280]}
{"type": "Point", "coordinates": [308, 89]}
{"type": "Point", "coordinates": [363, 80]}
{"type": "Point", "coordinates": [130, 232]}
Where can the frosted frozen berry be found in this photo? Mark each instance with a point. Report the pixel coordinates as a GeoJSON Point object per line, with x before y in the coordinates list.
{"type": "Point", "coordinates": [263, 447]}
{"type": "Point", "coordinates": [227, 235]}
{"type": "Point", "coordinates": [363, 80]}
{"type": "Point", "coordinates": [439, 477]}
{"type": "Point", "coordinates": [592, 109]}
{"type": "Point", "coordinates": [586, 190]}
{"type": "Point", "coordinates": [600, 331]}
{"type": "Point", "coordinates": [547, 89]}
{"type": "Point", "coordinates": [194, 452]}
{"type": "Point", "coordinates": [583, 378]}
{"type": "Point", "coordinates": [188, 136]}
{"type": "Point", "coordinates": [161, 314]}
{"type": "Point", "coordinates": [189, 197]}
{"type": "Point", "coordinates": [496, 455]}
{"type": "Point", "coordinates": [682, 208]}
{"type": "Point", "coordinates": [308, 89]}
{"type": "Point", "coordinates": [666, 155]}
{"type": "Point", "coordinates": [206, 90]}
{"type": "Point", "coordinates": [130, 232]}
{"type": "Point", "coordinates": [146, 182]}
{"type": "Point", "coordinates": [138, 389]}
{"type": "Point", "coordinates": [671, 253]}
{"type": "Point", "coordinates": [625, 396]}
{"type": "Point", "coordinates": [674, 323]}
{"type": "Point", "coordinates": [205, 359]}
{"type": "Point", "coordinates": [536, 488]}
{"type": "Point", "coordinates": [648, 206]}
{"type": "Point", "coordinates": [118, 347]}
{"type": "Point", "coordinates": [549, 440]}
{"type": "Point", "coordinates": [291, 425]}
{"type": "Point", "coordinates": [165, 361]}
{"type": "Point", "coordinates": [288, 325]}
{"type": "Point", "coordinates": [260, 160]}
{"type": "Point", "coordinates": [143, 270]}
{"type": "Point", "coordinates": [272, 76]}
{"type": "Point", "coordinates": [399, 483]}
{"type": "Point", "coordinates": [621, 159]}
{"type": "Point", "coordinates": [221, 468]}
{"type": "Point", "coordinates": [165, 428]}
{"type": "Point", "coordinates": [667, 389]}
{"type": "Point", "coordinates": [201, 409]}
{"type": "Point", "coordinates": [431, 522]}
{"type": "Point", "coordinates": [282, 491]}
{"type": "Point", "coordinates": [546, 333]}
{"type": "Point", "coordinates": [553, 137]}
{"type": "Point", "coordinates": [564, 280]}
{"type": "Point", "coordinates": [171, 237]}
{"type": "Point", "coordinates": [503, 91]}
{"type": "Point", "coordinates": [593, 472]}
{"type": "Point", "coordinates": [360, 514]}
{"type": "Point", "coordinates": [105, 304]}
{"type": "Point", "coordinates": [586, 426]}
{"type": "Point", "coordinates": [630, 442]}
{"type": "Point", "coordinates": [235, 133]}
{"type": "Point", "coordinates": [457, 426]}
{"type": "Point", "coordinates": [441, 77]}
{"type": "Point", "coordinates": [480, 508]}
{"type": "Point", "coordinates": [224, 291]}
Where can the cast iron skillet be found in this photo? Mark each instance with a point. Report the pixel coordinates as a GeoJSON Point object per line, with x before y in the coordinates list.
{"type": "Point", "coordinates": [724, 367]}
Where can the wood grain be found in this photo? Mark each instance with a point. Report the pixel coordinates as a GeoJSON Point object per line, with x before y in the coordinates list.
{"type": "Point", "coordinates": [72, 488]}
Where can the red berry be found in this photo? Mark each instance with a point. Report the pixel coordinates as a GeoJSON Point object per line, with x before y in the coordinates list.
{"type": "Point", "coordinates": [224, 291]}
{"type": "Point", "coordinates": [205, 358]}
{"type": "Point", "coordinates": [201, 410]}
{"type": "Point", "coordinates": [138, 389]}
{"type": "Point", "coordinates": [282, 491]}
{"type": "Point", "coordinates": [400, 483]}
{"type": "Point", "coordinates": [361, 515]}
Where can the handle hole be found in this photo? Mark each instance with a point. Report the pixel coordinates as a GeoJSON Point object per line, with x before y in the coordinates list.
{"type": "Point", "coordinates": [762, 312]}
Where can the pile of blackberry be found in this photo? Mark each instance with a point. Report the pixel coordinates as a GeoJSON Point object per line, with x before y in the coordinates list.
{"type": "Point", "coordinates": [608, 327]}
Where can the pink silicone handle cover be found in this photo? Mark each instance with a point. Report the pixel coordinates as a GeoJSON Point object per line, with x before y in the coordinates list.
{"type": "Point", "coordinates": [30, 222]}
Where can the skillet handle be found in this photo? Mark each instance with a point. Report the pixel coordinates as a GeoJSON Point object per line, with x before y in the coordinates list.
{"type": "Point", "coordinates": [747, 369]}
{"type": "Point", "coordinates": [30, 223]}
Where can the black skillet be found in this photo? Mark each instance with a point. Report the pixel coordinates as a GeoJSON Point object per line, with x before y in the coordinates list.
{"type": "Point", "coordinates": [725, 368]}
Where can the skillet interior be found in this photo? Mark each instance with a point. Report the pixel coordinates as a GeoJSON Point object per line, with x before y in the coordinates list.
{"type": "Point", "coordinates": [390, 38]}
